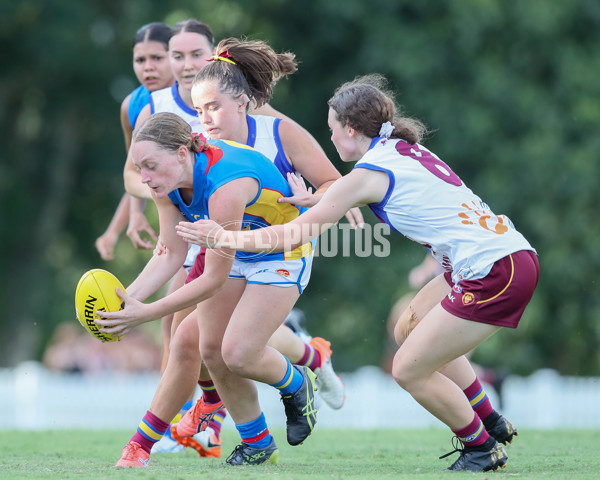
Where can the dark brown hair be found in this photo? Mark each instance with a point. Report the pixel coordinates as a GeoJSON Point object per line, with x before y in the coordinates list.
{"type": "Point", "coordinates": [153, 32]}
{"type": "Point", "coordinates": [255, 70]}
{"type": "Point", "coordinates": [194, 26]}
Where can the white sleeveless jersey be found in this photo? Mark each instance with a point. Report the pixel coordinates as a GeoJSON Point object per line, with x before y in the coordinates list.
{"type": "Point", "coordinates": [429, 204]}
{"type": "Point", "coordinates": [263, 135]}
{"type": "Point", "coordinates": [169, 100]}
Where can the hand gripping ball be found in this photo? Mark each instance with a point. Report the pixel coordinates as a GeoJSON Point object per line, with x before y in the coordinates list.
{"type": "Point", "coordinates": [96, 291]}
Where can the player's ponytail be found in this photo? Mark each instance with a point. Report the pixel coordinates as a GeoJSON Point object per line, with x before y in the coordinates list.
{"type": "Point", "coordinates": [197, 143]}
{"type": "Point", "coordinates": [247, 67]}
{"type": "Point", "coordinates": [365, 105]}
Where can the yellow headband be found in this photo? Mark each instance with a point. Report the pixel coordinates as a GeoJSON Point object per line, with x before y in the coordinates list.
{"type": "Point", "coordinates": [223, 59]}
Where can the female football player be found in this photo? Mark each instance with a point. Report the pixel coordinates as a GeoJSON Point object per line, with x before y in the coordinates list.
{"type": "Point", "coordinates": [238, 187]}
{"type": "Point", "coordinates": [153, 71]}
{"type": "Point", "coordinates": [308, 158]}
{"type": "Point", "coordinates": [491, 269]}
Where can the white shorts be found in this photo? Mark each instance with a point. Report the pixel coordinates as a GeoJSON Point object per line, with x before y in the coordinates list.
{"type": "Point", "coordinates": [282, 273]}
{"type": "Point", "coordinates": [193, 252]}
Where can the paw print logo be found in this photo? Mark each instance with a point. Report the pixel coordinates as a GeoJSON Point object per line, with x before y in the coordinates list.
{"type": "Point", "coordinates": [485, 219]}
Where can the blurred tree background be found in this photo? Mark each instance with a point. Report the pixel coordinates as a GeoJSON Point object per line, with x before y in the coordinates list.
{"type": "Point", "coordinates": [510, 90]}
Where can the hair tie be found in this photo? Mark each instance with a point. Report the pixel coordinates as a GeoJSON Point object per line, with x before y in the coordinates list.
{"type": "Point", "coordinates": [198, 141]}
{"type": "Point", "coordinates": [224, 57]}
{"type": "Point", "coordinates": [386, 130]}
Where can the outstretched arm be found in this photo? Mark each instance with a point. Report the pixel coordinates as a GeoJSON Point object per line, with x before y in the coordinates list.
{"type": "Point", "coordinates": [309, 159]}
{"type": "Point", "coordinates": [357, 188]}
{"type": "Point", "coordinates": [303, 196]}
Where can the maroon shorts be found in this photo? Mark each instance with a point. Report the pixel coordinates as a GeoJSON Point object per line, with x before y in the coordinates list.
{"type": "Point", "coordinates": [198, 267]}
{"type": "Point", "coordinates": [500, 297]}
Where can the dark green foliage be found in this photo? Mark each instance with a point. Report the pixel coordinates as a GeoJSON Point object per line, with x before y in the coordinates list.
{"type": "Point", "coordinates": [509, 89]}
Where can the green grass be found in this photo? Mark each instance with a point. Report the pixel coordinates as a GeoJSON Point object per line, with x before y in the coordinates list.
{"type": "Point", "coordinates": [327, 454]}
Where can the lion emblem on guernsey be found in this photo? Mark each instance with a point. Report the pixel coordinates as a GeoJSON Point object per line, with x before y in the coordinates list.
{"type": "Point", "coordinates": [468, 298]}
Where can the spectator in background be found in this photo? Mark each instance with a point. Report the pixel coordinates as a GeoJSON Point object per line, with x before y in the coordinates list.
{"type": "Point", "coordinates": [71, 350]}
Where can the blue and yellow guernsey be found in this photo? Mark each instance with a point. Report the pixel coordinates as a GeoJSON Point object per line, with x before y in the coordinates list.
{"type": "Point", "coordinates": [225, 161]}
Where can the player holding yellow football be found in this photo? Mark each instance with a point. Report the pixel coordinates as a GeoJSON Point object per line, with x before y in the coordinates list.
{"type": "Point", "coordinates": [292, 148]}
{"type": "Point", "coordinates": [238, 188]}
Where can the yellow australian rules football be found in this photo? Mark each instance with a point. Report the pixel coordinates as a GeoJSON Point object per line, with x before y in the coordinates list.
{"type": "Point", "coordinates": [96, 291]}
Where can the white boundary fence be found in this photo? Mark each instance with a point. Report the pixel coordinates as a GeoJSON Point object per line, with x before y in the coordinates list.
{"type": "Point", "coordinates": [33, 398]}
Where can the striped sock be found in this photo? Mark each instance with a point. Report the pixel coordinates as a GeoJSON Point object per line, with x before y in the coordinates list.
{"type": "Point", "coordinates": [150, 430]}
{"type": "Point", "coordinates": [209, 391]}
{"type": "Point", "coordinates": [311, 357]}
{"type": "Point", "coordinates": [292, 380]}
{"type": "Point", "coordinates": [255, 433]}
{"type": "Point", "coordinates": [474, 434]}
{"type": "Point", "coordinates": [217, 421]}
{"type": "Point", "coordinates": [479, 400]}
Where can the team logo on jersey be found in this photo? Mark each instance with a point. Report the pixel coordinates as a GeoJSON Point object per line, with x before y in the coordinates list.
{"type": "Point", "coordinates": [457, 289]}
{"type": "Point", "coordinates": [283, 272]}
{"type": "Point", "coordinates": [468, 298]}
{"type": "Point", "coordinates": [213, 154]}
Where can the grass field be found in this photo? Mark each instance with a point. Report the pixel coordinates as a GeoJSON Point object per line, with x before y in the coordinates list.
{"type": "Point", "coordinates": [327, 454]}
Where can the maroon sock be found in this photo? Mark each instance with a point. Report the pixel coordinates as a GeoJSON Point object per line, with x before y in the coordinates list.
{"type": "Point", "coordinates": [473, 434]}
{"type": "Point", "coordinates": [311, 357]}
{"type": "Point", "coordinates": [209, 392]}
{"type": "Point", "coordinates": [150, 430]}
{"type": "Point", "coordinates": [479, 400]}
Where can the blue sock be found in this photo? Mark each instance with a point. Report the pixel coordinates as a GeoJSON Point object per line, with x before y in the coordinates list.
{"type": "Point", "coordinates": [291, 381]}
{"type": "Point", "coordinates": [255, 433]}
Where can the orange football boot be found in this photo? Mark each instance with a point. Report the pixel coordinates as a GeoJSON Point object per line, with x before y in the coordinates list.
{"type": "Point", "coordinates": [133, 456]}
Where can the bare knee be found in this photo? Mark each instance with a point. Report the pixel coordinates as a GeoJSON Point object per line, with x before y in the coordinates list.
{"type": "Point", "coordinates": [403, 372]}
{"type": "Point", "coordinates": [184, 347]}
{"type": "Point", "coordinates": [211, 354]}
{"type": "Point", "coordinates": [406, 323]}
{"type": "Point", "coordinates": [237, 360]}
